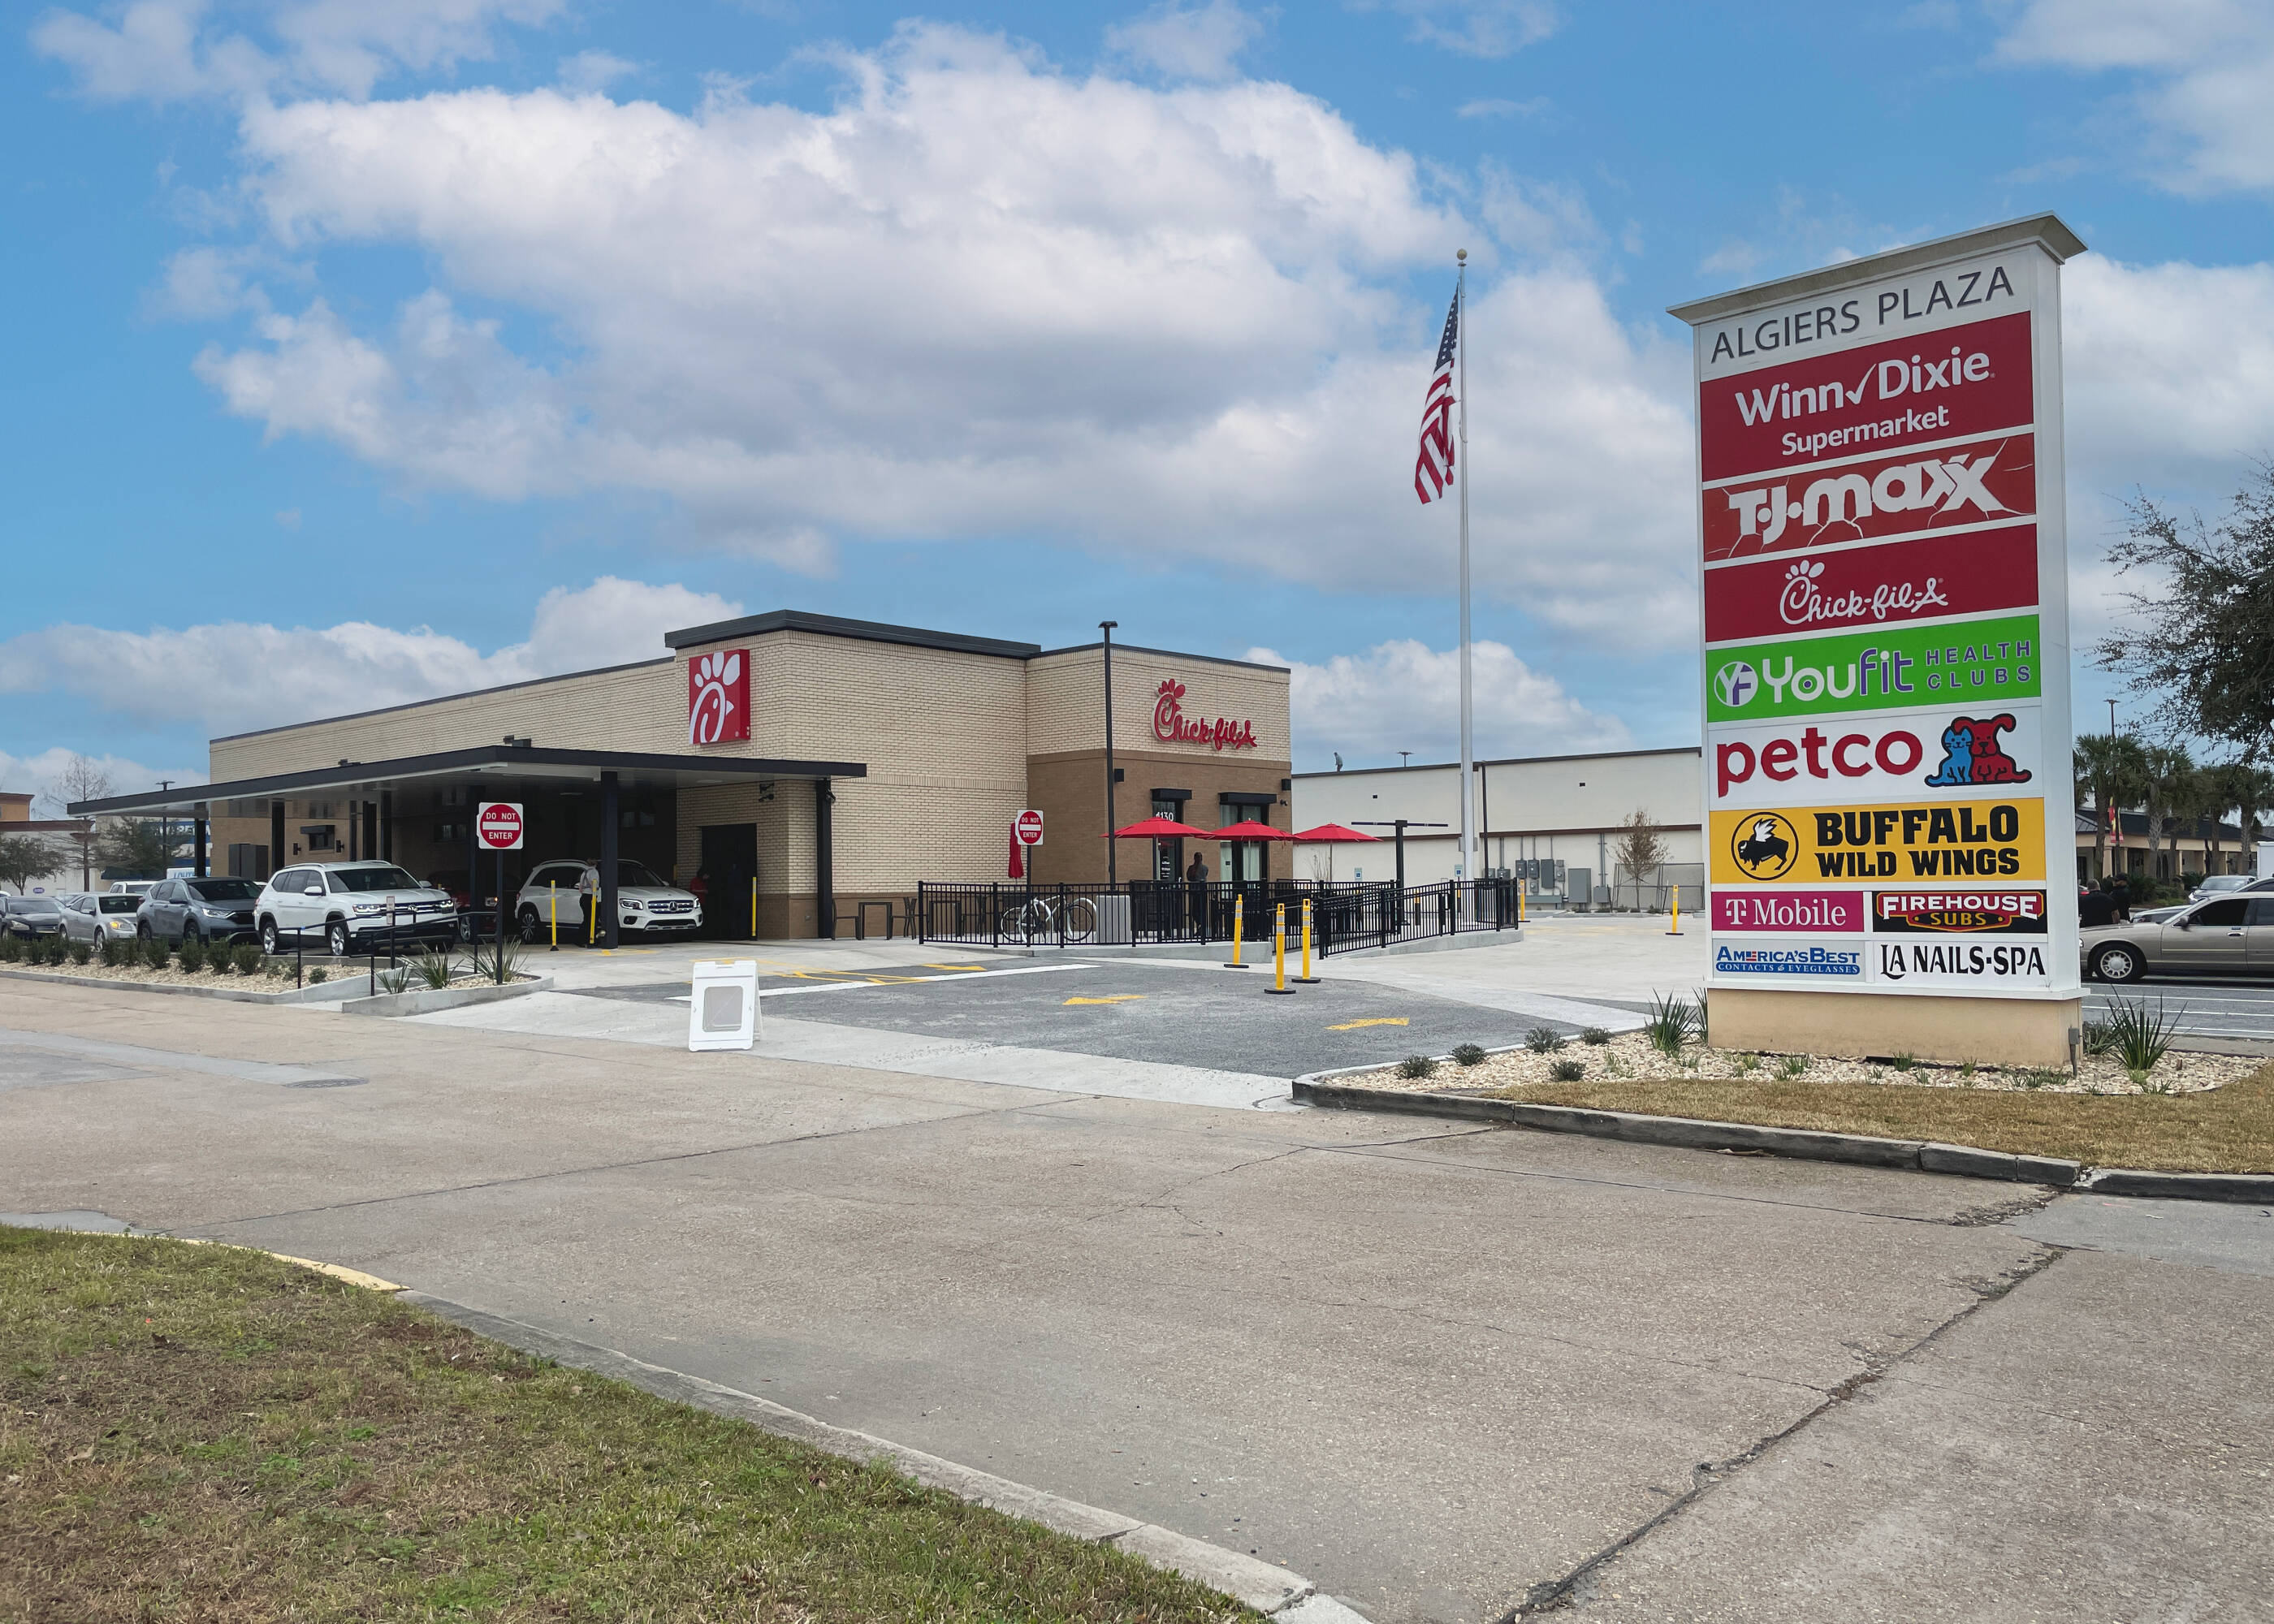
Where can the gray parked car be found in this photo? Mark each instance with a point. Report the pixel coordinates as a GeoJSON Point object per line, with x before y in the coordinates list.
{"type": "Point", "coordinates": [2232, 934]}
{"type": "Point", "coordinates": [208, 909]}
{"type": "Point", "coordinates": [94, 917]}
{"type": "Point", "coordinates": [32, 917]}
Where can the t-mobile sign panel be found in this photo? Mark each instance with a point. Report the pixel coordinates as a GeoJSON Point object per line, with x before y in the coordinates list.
{"type": "Point", "coordinates": [1885, 618]}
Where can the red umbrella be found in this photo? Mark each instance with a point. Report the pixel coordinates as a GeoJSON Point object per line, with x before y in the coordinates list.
{"type": "Point", "coordinates": [1250, 831]}
{"type": "Point", "coordinates": [1332, 835]}
{"type": "Point", "coordinates": [1158, 829]}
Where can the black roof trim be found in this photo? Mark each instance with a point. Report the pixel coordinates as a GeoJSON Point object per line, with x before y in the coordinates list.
{"type": "Point", "coordinates": [485, 758]}
{"type": "Point", "coordinates": [834, 625]}
{"type": "Point", "coordinates": [1135, 648]}
{"type": "Point", "coordinates": [472, 692]}
{"type": "Point", "coordinates": [1509, 761]}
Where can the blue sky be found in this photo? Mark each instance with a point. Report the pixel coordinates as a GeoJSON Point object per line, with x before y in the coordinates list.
{"type": "Point", "coordinates": [365, 352]}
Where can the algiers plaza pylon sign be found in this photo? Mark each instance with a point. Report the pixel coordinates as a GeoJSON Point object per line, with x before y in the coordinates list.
{"type": "Point", "coordinates": [1889, 826]}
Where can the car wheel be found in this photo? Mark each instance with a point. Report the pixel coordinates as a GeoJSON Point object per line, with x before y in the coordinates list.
{"type": "Point", "coordinates": [268, 937]}
{"type": "Point", "coordinates": [2118, 961]}
{"type": "Point", "coordinates": [533, 928]}
{"type": "Point", "coordinates": [335, 937]}
{"type": "Point", "coordinates": [142, 929]}
{"type": "Point", "coordinates": [466, 929]}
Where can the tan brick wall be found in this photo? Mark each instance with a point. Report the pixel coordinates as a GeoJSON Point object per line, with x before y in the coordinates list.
{"type": "Point", "coordinates": [634, 708]}
{"type": "Point", "coordinates": [1065, 710]}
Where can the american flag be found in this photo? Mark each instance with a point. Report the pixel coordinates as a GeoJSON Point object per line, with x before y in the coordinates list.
{"type": "Point", "coordinates": [1435, 464]}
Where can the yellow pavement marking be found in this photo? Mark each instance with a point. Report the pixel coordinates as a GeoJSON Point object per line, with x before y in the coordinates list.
{"type": "Point", "coordinates": [337, 1271]}
{"type": "Point", "coordinates": [1379, 1020]}
{"type": "Point", "coordinates": [953, 967]}
{"type": "Point", "coordinates": [1118, 997]}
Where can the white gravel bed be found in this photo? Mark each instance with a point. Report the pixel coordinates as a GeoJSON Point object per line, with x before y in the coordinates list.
{"type": "Point", "coordinates": [1631, 1056]}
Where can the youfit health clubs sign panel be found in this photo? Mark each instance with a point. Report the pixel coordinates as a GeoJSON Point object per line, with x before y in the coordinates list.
{"type": "Point", "coordinates": [1885, 622]}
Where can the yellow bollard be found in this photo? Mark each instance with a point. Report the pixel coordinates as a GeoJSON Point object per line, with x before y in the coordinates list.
{"type": "Point", "coordinates": [1307, 976]}
{"type": "Point", "coordinates": [1238, 907]}
{"type": "Point", "coordinates": [1675, 928]}
{"type": "Point", "coordinates": [552, 903]}
{"type": "Point", "coordinates": [1519, 908]}
{"type": "Point", "coordinates": [592, 919]}
{"type": "Point", "coordinates": [1279, 953]}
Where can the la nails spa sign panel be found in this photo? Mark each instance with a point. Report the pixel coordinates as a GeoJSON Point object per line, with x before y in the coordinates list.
{"type": "Point", "coordinates": [1885, 622]}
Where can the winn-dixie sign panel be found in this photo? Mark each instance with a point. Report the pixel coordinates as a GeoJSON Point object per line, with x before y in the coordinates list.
{"type": "Point", "coordinates": [1978, 838]}
{"type": "Point", "coordinates": [1990, 663]}
{"type": "Point", "coordinates": [1908, 391]}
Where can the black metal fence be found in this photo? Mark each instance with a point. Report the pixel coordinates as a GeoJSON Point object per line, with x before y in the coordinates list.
{"type": "Point", "coordinates": [1345, 916]}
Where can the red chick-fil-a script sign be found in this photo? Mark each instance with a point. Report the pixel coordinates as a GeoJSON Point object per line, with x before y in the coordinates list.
{"type": "Point", "coordinates": [1171, 725]}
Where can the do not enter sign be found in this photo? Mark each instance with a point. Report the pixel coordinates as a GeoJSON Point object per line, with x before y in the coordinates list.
{"type": "Point", "coordinates": [497, 825]}
{"type": "Point", "coordinates": [1029, 825]}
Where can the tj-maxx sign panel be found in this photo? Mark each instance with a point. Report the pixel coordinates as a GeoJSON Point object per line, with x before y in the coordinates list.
{"type": "Point", "coordinates": [1884, 620]}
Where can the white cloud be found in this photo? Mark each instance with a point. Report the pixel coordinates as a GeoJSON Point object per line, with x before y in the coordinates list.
{"type": "Point", "coordinates": [2206, 69]}
{"type": "Point", "coordinates": [594, 70]}
{"type": "Point", "coordinates": [1405, 695]}
{"type": "Point", "coordinates": [168, 51]}
{"type": "Point", "coordinates": [1500, 107]}
{"type": "Point", "coordinates": [230, 677]}
{"type": "Point", "coordinates": [978, 298]}
{"type": "Point", "coordinates": [1486, 28]}
{"type": "Point", "coordinates": [1186, 42]}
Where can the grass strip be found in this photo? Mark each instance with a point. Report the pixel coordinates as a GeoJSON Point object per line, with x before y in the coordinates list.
{"type": "Point", "coordinates": [2228, 1130]}
{"type": "Point", "coordinates": [194, 1433]}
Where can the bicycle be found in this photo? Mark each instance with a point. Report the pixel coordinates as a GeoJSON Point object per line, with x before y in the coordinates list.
{"type": "Point", "coordinates": [1054, 919]}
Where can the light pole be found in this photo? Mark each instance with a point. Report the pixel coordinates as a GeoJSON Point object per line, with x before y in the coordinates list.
{"type": "Point", "coordinates": [1401, 756]}
{"type": "Point", "coordinates": [1112, 846]}
{"type": "Point", "coordinates": [2111, 718]}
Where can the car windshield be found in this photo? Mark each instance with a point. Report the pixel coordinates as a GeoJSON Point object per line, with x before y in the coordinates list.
{"type": "Point", "coordinates": [387, 878]}
{"type": "Point", "coordinates": [118, 905]}
{"type": "Point", "coordinates": [629, 873]}
{"type": "Point", "coordinates": [225, 891]}
{"type": "Point", "coordinates": [34, 905]}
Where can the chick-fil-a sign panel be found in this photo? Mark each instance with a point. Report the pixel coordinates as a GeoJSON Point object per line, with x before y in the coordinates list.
{"type": "Point", "coordinates": [1931, 578]}
{"type": "Point", "coordinates": [1171, 725]}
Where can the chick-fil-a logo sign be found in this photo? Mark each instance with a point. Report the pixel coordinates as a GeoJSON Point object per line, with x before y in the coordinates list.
{"type": "Point", "coordinates": [718, 697]}
{"type": "Point", "coordinates": [1172, 726]}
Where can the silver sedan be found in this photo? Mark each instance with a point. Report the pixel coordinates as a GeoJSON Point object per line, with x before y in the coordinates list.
{"type": "Point", "coordinates": [96, 916]}
{"type": "Point", "coordinates": [2225, 935]}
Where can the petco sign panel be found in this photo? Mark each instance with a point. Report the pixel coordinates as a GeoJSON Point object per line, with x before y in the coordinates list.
{"type": "Point", "coordinates": [1881, 530]}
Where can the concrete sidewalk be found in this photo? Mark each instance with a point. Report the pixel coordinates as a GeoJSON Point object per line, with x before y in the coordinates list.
{"type": "Point", "coordinates": [1435, 1371]}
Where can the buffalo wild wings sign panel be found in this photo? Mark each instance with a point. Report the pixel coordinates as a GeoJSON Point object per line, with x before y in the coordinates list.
{"type": "Point", "coordinates": [1886, 622]}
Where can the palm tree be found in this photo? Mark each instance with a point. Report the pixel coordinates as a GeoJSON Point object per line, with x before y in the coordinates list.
{"type": "Point", "coordinates": [2166, 784]}
{"type": "Point", "coordinates": [2114, 768]}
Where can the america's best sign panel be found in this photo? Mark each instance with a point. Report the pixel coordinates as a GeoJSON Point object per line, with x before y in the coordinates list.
{"type": "Point", "coordinates": [1886, 622]}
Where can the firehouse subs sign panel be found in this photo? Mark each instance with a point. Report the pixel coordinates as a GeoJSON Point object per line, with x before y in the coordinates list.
{"type": "Point", "coordinates": [1886, 708]}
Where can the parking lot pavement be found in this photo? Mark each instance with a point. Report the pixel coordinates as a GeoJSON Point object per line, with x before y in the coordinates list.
{"type": "Point", "coordinates": [1429, 1366]}
{"type": "Point", "coordinates": [2236, 1010]}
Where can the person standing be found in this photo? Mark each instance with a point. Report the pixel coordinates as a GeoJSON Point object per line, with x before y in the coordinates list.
{"type": "Point", "coordinates": [1196, 878]}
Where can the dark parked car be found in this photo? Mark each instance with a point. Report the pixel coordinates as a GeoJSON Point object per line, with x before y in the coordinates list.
{"type": "Point", "coordinates": [209, 910]}
{"type": "Point", "coordinates": [32, 916]}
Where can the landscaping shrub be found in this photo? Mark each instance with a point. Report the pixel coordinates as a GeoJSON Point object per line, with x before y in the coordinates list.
{"type": "Point", "coordinates": [1903, 1062]}
{"type": "Point", "coordinates": [116, 952]}
{"type": "Point", "coordinates": [245, 956]}
{"type": "Point", "coordinates": [1792, 1066]}
{"type": "Point", "coordinates": [436, 967]}
{"type": "Point", "coordinates": [1470, 1053]}
{"type": "Point", "coordinates": [155, 953]}
{"type": "Point", "coordinates": [1673, 1022]}
{"type": "Point", "coordinates": [1417, 1066]}
{"type": "Point", "coordinates": [54, 952]}
{"type": "Point", "coordinates": [11, 949]}
{"type": "Point", "coordinates": [2141, 1036]}
{"type": "Point", "coordinates": [318, 975]}
{"type": "Point", "coordinates": [2099, 1038]}
{"type": "Point", "coordinates": [1567, 1071]}
{"type": "Point", "coordinates": [1594, 1037]}
{"type": "Point", "coordinates": [1543, 1040]}
{"type": "Point", "coordinates": [81, 951]}
{"type": "Point", "coordinates": [191, 956]}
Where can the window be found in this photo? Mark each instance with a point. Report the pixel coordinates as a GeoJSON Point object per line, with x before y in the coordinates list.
{"type": "Point", "coordinates": [385, 877]}
{"type": "Point", "coordinates": [223, 891]}
{"type": "Point", "coordinates": [2262, 912]}
{"type": "Point", "coordinates": [630, 872]}
{"type": "Point", "coordinates": [118, 903]}
{"type": "Point", "coordinates": [2227, 910]}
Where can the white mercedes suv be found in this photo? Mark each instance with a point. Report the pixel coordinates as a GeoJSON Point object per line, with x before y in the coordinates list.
{"type": "Point", "coordinates": [558, 890]}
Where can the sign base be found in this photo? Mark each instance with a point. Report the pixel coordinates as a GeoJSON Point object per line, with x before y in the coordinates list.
{"type": "Point", "coordinates": [2016, 1032]}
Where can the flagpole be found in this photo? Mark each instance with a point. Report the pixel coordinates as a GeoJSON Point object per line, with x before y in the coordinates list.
{"type": "Point", "coordinates": [1468, 734]}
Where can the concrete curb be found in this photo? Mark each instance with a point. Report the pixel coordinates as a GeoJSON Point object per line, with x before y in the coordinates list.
{"type": "Point", "coordinates": [1268, 1588]}
{"type": "Point", "coordinates": [427, 1000]}
{"type": "Point", "coordinates": [222, 990]}
{"type": "Point", "coordinates": [1691, 1133]}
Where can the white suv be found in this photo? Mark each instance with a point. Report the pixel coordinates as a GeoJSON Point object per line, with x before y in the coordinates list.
{"type": "Point", "coordinates": [351, 907]}
{"type": "Point", "coordinates": [558, 889]}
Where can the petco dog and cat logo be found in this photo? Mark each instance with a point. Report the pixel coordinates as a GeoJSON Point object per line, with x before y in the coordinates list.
{"type": "Point", "coordinates": [718, 697]}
